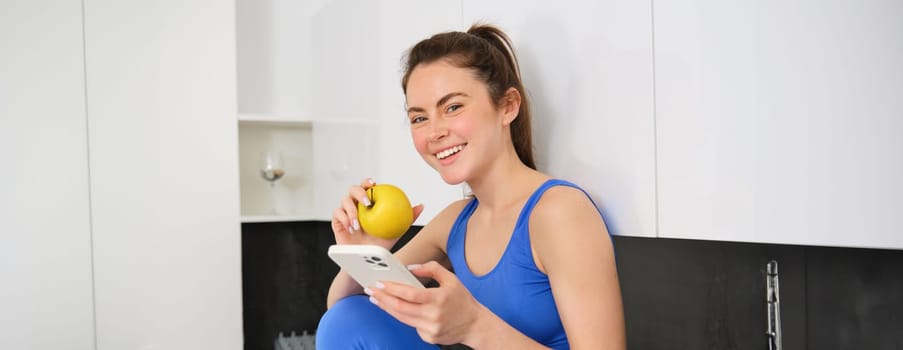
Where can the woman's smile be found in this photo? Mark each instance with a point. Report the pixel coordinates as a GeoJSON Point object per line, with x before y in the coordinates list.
{"type": "Point", "coordinates": [448, 152]}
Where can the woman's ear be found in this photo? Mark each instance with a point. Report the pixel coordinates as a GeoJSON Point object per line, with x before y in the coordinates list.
{"type": "Point", "coordinates": [510, 106]}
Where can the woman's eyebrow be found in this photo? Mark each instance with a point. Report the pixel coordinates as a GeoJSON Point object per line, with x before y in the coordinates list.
{"type": "Point", "coordinates": [445, 98]}
{"type": "Point", "coordinates": [415, 109]}
{"type": "Point", "coordinates": [439, 103]}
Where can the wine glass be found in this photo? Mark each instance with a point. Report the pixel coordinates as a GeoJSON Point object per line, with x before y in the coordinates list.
{"type": "Point", "coordinates": [271, 169]}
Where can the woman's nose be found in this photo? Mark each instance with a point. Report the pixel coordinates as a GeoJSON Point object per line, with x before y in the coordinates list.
{"type": "Point", "coordinates": [439, 130]}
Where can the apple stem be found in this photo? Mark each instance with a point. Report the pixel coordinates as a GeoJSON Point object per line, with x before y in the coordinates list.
{"type": "Point", "coordinates": [370, 196]}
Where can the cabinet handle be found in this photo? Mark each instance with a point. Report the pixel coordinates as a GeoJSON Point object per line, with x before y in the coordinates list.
{"type": "Point", "coordinates": [773, 305]}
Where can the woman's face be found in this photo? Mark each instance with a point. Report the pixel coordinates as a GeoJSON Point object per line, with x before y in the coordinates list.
{"type": "Point", "coordinates": [454, 124]}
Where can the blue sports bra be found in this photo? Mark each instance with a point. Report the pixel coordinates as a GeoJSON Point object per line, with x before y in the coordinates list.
{"type": "Point", "coordinates": [515, 289]}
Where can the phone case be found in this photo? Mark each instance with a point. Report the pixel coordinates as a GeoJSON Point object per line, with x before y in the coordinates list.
{"type": "Point", "coordinates": [368, 264]}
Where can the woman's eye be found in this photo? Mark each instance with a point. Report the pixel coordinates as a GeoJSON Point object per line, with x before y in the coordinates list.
{"type": "Point", "coordinates": [418, 119]}
{"type": "Point", "coordinates": [452, 108]}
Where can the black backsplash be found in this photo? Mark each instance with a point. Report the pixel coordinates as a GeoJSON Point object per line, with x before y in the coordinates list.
{"type": "Point", "coordinates": [678, 294]}
{"type": "Point", "coordinates": [285, 278]}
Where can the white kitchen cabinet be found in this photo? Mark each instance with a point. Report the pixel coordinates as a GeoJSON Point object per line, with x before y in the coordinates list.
{"type": "Point", "coordinates": [46, 291]}
{"type": "Point", "coordinates": [161, 96]}
{"type": "Point", "coordinates": [587, 68]}
{"type": "Point", "coordinates": [780, 122]}
{"type": "Point", "coordinates": [273, 44]}
{"type": "Point", "coordinates": [273, 41]}
{"type": "Point", "coordinates": [285, 106]}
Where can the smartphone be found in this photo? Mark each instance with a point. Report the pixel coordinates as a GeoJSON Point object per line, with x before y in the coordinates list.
{"type": "Point", "coordinates": [368, 264]}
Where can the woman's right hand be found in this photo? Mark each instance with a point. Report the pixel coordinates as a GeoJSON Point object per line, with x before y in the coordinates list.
{"type": "Point", "coordinates": [345, 224]}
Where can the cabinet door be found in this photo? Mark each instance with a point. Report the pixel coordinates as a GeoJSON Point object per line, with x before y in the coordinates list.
{"type": "Point", "coordinates": [587, 67]}
{"type": "Point", "coordinates": [164, 185]}
{"type": "Point", "coordinates": [274, 52]}
{"type": "Point", "coordinates": [360, 127]}
{"type": "Point", "coordinates": [45, 243]}
{"type": "Point", "coordinates": [780, 121]}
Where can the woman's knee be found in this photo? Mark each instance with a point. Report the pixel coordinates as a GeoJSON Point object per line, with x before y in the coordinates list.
{"type": "Point", "coordinates": [355, 323]}
{"type": "Point", "coordinates": [348, 315]}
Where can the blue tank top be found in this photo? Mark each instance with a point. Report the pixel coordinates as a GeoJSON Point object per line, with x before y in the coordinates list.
{"type": "Point", "coordinates": [515, 289]}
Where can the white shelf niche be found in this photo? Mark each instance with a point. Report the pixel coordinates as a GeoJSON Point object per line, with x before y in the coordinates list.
{"type": "Point", "coordinates": [293, 120]}
{"type": "Point", "coordinates": [294, 192]}
{"type": "Point", "coordinates": [247, 219]}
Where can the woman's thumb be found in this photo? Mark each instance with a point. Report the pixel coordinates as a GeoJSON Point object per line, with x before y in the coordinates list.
{"type": "Point", "coordinates": [418, 209]}
{"type": "Point", "coordinates": [432, 270]}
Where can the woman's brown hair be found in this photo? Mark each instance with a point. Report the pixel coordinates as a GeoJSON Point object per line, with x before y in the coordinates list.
{"type": "Point", "coordinates": [487, 51]}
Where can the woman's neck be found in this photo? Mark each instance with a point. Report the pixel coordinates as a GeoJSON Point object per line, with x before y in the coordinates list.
{"type": "Point", "coordinates": [505, 183]}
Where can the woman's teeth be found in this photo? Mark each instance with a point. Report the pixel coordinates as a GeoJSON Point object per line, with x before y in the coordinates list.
{"type": "Point", "coordinates": [444, 154]}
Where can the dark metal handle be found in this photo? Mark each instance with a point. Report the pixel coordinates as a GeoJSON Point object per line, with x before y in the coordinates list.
{"type": "Point", "coordinates": [773, 305]}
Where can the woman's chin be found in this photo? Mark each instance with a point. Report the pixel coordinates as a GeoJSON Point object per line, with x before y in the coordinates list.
{"type": "Point", "coordinates": [452, 178]}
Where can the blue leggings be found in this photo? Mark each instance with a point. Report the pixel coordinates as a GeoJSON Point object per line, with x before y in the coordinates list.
{"type": "Point", "coordinates": [355, 323]}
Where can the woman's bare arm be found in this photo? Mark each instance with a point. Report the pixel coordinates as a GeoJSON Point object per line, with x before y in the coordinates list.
{"type": "Point", "coordinates": [572, 246]}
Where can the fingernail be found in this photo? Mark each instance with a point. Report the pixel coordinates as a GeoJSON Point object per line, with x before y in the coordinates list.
{"type": "Point", "coordinates": [357, 224]}
{"type": "Point", "coordinates": [414, 266]}
{"type": "Point", "coordinates": [368, 291]}
{"type": "Point", "coordinates": [350, 230]}
{"type": "Point", "coordinates": [379, 285]}
{"type": "Point", "coordinates": [366, 202]}
{"type": "Point", "coordinates": [371, 181]}
{"type": "Point", "coordinates": [373, 300]}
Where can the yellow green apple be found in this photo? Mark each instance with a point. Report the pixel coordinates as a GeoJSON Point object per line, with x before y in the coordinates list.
{"type": "Point", "coordinates": [389, 214]}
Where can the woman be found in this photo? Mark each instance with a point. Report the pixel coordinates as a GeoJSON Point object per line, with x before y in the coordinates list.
{"type": "Point", "coordinates": [533, 263]}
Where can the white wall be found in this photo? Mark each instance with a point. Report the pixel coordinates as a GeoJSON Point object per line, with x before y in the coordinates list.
{"type": "Point", "coordinates": [401, 25]}
{"type": "Point", "coordinates": [119, 150]}
{"type": "Point", "coordinates": [587, 68]}
{"type": "Point", "coordinates": [360, 126]}
{"type": "Point", "coordinates": [45, 243]}
{"type": "Point", "coordinates": [164, 174]}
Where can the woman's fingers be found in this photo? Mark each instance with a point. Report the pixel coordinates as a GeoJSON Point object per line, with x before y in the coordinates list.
{"type": "Point", "coordinates": [388, 305]}
{"type": "Point", "coordinates": [436, 271]}
{"type": "Point", "coordinates": [340, 221]}
{"type": "Point", "coordinates": [367, 183]}
{"type": "Point", "coordinates": [403, 302]}
{"type": "Point", "coordinates": [356, 194]}
{"type": "Point", "coordinates": [359, 194]}
{"type": "Point", "coordinates": [350, 208]}
{"type": "Point", "coordinates": [406, 292]}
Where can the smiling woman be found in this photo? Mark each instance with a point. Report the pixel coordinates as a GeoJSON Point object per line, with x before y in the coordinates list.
{"type": "Point", "coordinates": [533, 263]}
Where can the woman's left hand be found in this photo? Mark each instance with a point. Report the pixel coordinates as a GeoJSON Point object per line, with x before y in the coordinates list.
{"type": "Point", "coordinates": [442, 315]}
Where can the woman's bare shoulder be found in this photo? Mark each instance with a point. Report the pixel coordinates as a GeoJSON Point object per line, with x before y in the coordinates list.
{"type": "Point", "coordinates": [564, 200]}
{"type": "Point", "coordinates": [565, 224]}
{"type": "Point", "coordinates": [568, 207]}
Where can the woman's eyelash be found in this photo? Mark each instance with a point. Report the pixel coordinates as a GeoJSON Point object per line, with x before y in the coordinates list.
{"type": "Point", "coordinates": [417, 119]}
{"type": "Point", "coordinates": [452, 108]}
